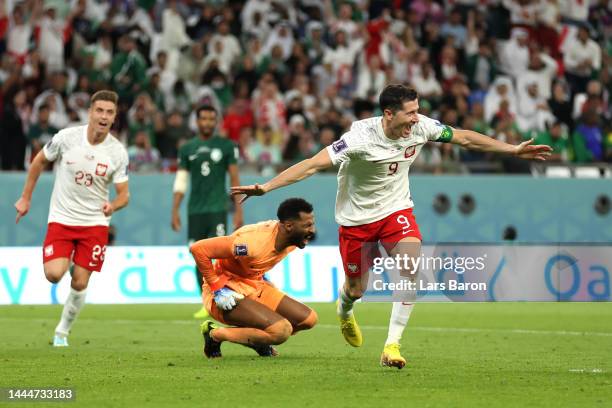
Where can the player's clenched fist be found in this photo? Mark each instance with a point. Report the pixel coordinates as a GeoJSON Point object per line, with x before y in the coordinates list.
{"type": "Point", "coordinates": [226, 298]}
{"type": "Point", "coordinates": [22, 206]}
{"type": "Point", "coordinates": [107, 209]}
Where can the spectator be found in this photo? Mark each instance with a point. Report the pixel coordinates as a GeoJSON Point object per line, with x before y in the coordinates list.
{"type": "Point", "coordinates": [174, 132]}
{"type": "Point", "coordinates": [143, 157]}
{"type": "Point", "coordinates": [588, 139]}
{"type": "Point", "coordinates": [426, 84]}
{"type": "Point", "coordinates": [41, 131]}
{"type": "Point", "coordinates": [128, 69]}
{"type": "Point", "coordinates": [12, 138]}
{"type": "Point", "coordinates": [239, 115]}
{"type": "Point", "coordinates": [582, 58]}
{"type": "Point", "coordinates": [555, 136]}
{"type": "Point", "coordinates": [502, 90]}
{"type": "Point", "coordinates": [265, 152]}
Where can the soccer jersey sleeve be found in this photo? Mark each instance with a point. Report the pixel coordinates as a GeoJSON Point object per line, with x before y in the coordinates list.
{"type": "Point", "coordinates": [232, 153]}
{"type": "Point", "coordinates": [121, 174]}
{"type": "Point", "coordinates": [53, 148]}
{"type": "Point", "coordinates": [183, 157]}
{"type": "Point", "coordinates": [349, 146]}
{"type": "Point", "coordinates": [204, 251]}
{"type": "Point", "coordinates": [434, 130]}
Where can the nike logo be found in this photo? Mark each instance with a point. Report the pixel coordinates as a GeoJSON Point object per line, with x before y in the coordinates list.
{"type": "Point", "coordinates": [93, 264]}
{"type": "Point", "coordinates": [70, 162]}
{"type": "Point", "coordinates": [192, 157]}
{"type": "Point", "coordinates": [407, 231]}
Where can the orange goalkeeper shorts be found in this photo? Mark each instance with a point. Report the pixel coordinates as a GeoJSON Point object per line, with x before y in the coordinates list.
{"type": "Point", "coordinates": [260, 291]}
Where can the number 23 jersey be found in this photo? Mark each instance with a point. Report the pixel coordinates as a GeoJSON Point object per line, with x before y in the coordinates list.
{"type": "Point", "coordinates": [83, 174]}
{"type": "Point", "coordinates": [373, 173]}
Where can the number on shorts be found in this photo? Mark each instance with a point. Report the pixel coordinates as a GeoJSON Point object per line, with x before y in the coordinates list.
{"type": "Point", "coordinates": [393, 168]}
{"type": "Point", "coordinates": [97, 253]}
{"type": "Point", "coordinates": [403, 220]}
{"type": "Point", "coordinates": [205, 168]}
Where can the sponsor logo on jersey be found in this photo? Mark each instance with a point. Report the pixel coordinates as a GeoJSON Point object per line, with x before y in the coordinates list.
{"type": "Point", "coordinates": [70, 162]}
{"type": "Point", "coordinates": [216, 155]}
{"type": "Point", "coordinates": [339, 146]}
{"type": "Point", "coordinates": [352, 267]}
{"type": "Point", "coordinates": [409, 152]}
{"type": "Point", "coordinates": [101, 169]}
{"type": "Point", "coordinates": [241, 249]}
{"type": "Point", "coordinates": [49, 250]}
{"type": "Point", "coordinates": [90, 156]}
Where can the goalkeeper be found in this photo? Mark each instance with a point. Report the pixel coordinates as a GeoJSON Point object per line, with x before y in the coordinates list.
{"type": "Point", "coordinates": [234, 291]}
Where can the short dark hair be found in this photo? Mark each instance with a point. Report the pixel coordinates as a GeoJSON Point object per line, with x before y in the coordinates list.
{"type": "Point", "coordinates": [291, 208]}
{"type": "Point", "coordinates": [394, 96]}
{"type": "Point", "coordinates": [104, 95]}
{"type": "Point", "coordinates": [205, 108]}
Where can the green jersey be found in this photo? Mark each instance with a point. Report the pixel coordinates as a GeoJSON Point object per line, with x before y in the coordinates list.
{"type": "Point", "coordinates": [207, 162]}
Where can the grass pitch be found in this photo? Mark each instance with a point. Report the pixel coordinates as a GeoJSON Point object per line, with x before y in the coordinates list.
{"type": "Point", "coordinates": [459, 355]}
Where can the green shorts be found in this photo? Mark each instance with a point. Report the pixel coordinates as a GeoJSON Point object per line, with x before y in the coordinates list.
{"type": "Point", "coordinates": [209, 225]}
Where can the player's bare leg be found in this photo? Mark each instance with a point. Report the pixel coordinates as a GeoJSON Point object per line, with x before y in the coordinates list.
{"type": "Point", "coordinates": [257, 326]}
{"type": "Point", "coordinates": [299, 315]}
{"type": "Point", "coordinates": [352, 290]}
{"type": "Point", "coordinates": [74, 304]}
{"type": "Point", "coordinates": [56, 268]}
{"type": "Point", "coordinates": [401, 311]}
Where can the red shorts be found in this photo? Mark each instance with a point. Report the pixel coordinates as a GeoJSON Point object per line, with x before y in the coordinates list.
{"type": "Point", "coordinates": [87, 243]}
{"type": "Point", "coordinates": [389, 231]}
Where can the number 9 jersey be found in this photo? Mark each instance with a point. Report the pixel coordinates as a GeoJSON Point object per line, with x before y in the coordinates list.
{"type": "Point", "coordinates": [83, 174]}
{"type": "Point", "coordinates": [373, 174]}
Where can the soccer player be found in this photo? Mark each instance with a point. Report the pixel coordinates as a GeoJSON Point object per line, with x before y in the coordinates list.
{"type": "Point", "coordinates": [205, 159]}
{"type": "Point", "coordinates": [373, 202]}
{"type": "Point", "coordinates": [234, 291]}
{"type": "Point", "coordinates": [88, 159]}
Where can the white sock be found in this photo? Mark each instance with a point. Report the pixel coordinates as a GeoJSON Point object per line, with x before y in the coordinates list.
{"type": "Point", "coordinates": [398, 321]}
{"type": "Point", "coordinates": [345, 305]}
{"type": "Point", "coordinates": [72, 307]}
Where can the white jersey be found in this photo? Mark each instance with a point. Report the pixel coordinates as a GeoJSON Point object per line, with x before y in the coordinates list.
{"type": "Point", "coordinates": [83, 174]}
{"type": "Point", "coordinates": [373, 174]}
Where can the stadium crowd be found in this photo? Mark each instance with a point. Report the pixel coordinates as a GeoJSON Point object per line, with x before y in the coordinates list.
{"type": "Point", "coordinates": [289, 76]}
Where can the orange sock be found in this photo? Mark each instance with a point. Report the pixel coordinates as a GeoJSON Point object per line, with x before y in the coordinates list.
{"type": "Point", "coordinates": [276, 333]}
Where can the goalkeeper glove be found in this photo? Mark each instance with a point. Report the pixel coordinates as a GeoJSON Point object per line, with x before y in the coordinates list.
{"type": "Point", "coordinates": [226, 299]}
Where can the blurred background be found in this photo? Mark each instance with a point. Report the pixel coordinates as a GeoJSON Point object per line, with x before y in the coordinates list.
{"type": "Point", "coordinates": [289, 77]}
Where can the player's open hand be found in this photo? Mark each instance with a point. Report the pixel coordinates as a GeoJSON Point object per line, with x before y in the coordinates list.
{"type": "Point", "coordinates": [22, 206]}
{"type": "Point", "coordinates": [107, 209]}
{"type": "Point", "coordinates": [527, 150]}
{"type": "Point", "coordinates": [248, 191]}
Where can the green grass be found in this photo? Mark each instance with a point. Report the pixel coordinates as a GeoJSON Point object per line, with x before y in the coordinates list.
{"type": "Point", "coordinates": [459, 355]}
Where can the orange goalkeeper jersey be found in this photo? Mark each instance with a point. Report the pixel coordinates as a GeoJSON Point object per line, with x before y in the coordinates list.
{"type": "Point", "coordinates": [247, 254]}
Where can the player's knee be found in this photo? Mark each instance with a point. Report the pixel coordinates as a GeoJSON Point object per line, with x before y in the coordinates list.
{"type": "Point", "coordinates": [280, 331]}
{"type": "Point", "coordinates": [53, 275]}
{"type": "Point", "coordinates": [79, 284]}
{"type": "Point", "coordinates": [355, 292]}
{"type": "Point", "coordinates": [309, 322]}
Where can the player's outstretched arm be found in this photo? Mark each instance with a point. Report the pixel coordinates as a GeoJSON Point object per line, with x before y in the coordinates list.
{"type": "Point", "coordinates": [23, 203]}
{"type": "Point", "coordinates": [293, 174]}
{"type": "Point", "coordinates": [471, 140]}
{"type": "Point", "coordinates": [234, 182]}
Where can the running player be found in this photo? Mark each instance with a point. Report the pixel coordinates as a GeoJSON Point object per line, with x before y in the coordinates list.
{"type": "Point", "coordinates": [88, 159]}
{"type": "Point", "coordinates": [205, 160]}
{"type": "Point", "coordinates": [373, 202]}
{"type": "Point", "coordinates": [234, 291]}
